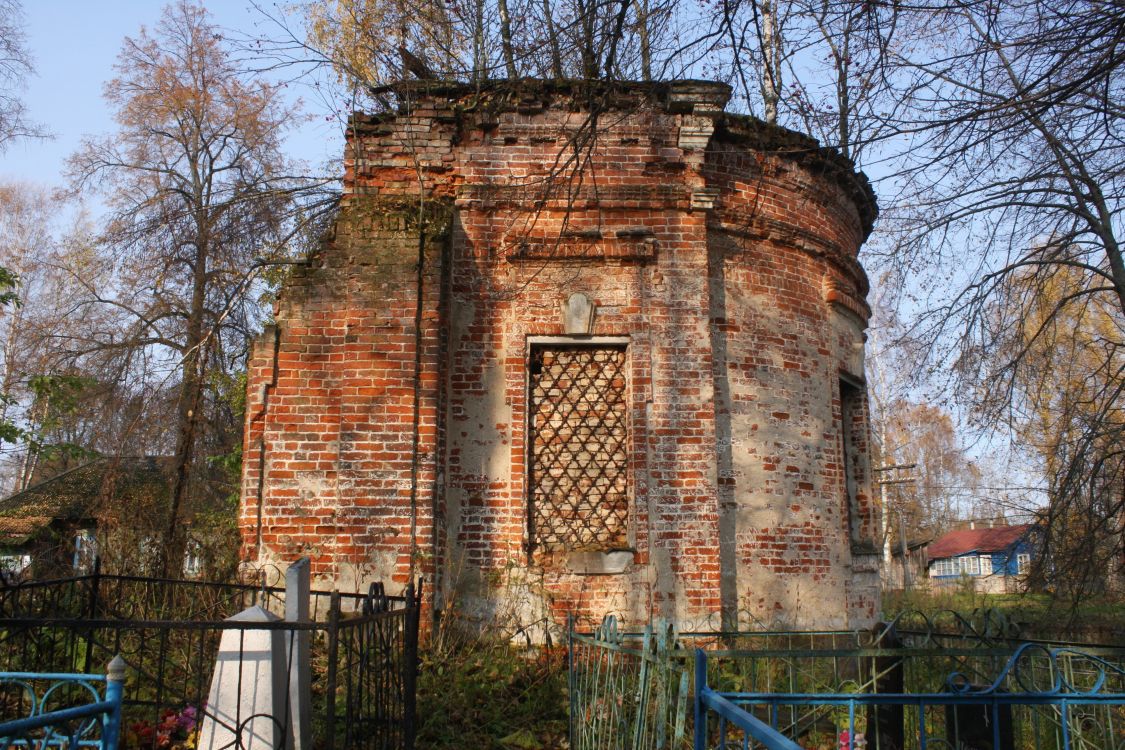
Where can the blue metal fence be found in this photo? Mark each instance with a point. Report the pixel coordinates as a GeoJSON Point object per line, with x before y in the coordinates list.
{"type": "Point", "coordinates": [1043, 698]}
{"type": "Point", "coordinates": [708, 701]}
{"type": "Point", "coordinates": [950, 682]}
{"type": "Point", "coordinates": [95, 722]}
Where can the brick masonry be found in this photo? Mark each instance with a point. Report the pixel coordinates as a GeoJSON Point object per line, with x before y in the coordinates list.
{"type": "Point", "coordinates": [388, 409]}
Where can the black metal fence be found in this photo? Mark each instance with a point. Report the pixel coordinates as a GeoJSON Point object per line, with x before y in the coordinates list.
{"type": "Point", "coordinates": [363, 654]}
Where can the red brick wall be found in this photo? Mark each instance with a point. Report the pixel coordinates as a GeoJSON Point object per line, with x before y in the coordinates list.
{"type": "Point", "coordinates": [720, 252]}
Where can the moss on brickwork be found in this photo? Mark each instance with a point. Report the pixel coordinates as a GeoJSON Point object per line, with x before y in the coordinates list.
{"type": "Point", "coordinates": [377, 235]}
{"type": "Point", "coordinates": [398, 214]}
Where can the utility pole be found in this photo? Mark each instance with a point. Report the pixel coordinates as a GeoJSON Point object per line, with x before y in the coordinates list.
{"type": "Point", "coordinates": [883, 484]}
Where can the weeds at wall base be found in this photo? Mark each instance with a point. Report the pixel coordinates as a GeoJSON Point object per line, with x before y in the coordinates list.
{"type": "Point", "coordinates": [491, 695]}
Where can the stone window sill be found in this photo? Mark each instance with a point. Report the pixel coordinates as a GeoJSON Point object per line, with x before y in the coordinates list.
{"type": "Point", "coordinates": [615, 562]}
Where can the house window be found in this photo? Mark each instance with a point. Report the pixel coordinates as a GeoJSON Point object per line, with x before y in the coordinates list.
{"type": "Point", "coordinates": [12, 564]}
{"type": "Point", "coordinates": [85, 550]}
{"type": "Point", "coordinates": [193, 559]}
{"type": "Point", "coordinates": [1023, 563]}
{"type": "Point", "coordinates": [578, 448]}
{"type": "Point", "coordinates": [970, 565]}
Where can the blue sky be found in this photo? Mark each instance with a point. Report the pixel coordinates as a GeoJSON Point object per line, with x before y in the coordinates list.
{"type": "Point", "coordinates": [75, 44]}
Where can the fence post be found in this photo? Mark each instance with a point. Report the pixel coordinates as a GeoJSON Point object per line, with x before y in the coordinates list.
{"type": "Point", "coordinates": [571, 678]}
{"type": "Point", "coordinates": [700, 713]}
{"type": "Point", "coordinates": [886, 728]}
{"type": "Point", "coordinates": [410, 666]}
{"type": "Point", "coordinates": [642, 688]}
{"type": "Point", "coordinates": [297, 585]}
{"type": "Point", "coordinates": [330, 680]}
{"type": "Point", "coordinates": [114, 693]}
{"type": "Point", "coordinates": [665, 642]}
{"type": "Point", "coordinates": [92, 606]}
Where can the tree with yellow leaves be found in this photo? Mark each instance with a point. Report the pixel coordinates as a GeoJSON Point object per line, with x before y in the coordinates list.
{"type": "Point", "coordinates": [945, 481]}
{"type": "Point", "coordinates": [1067, 375]}
{"type": "Point", "coordinates": [367, 40]}
{"type": "Point", "coordinates": [371, 43]}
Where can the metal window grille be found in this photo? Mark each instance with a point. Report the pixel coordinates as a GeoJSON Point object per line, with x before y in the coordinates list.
{"type": "Point", "coordinates": [579, 460]}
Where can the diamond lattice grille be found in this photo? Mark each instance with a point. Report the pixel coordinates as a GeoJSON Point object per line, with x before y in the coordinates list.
{"type": "Point", "coordinates": [579, 463]}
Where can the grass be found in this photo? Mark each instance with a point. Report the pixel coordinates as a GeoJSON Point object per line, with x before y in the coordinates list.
{"type": "Point", "coordinates": [492, 696]}
{"type": "Point", "coordinates": [1036, 615]}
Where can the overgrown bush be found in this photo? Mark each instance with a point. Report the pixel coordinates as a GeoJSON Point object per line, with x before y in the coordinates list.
{"type": "Point", "coordinates": [491, 695]}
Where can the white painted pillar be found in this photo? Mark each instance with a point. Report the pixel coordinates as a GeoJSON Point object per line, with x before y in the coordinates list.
{"type": "Point", "coordinates": [248, 694]}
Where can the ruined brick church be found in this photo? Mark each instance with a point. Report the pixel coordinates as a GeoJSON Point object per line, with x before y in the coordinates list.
{"type": "Point", "coordinates": [577, 351]}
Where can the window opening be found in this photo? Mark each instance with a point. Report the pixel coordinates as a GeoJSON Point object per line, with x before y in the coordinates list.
{"type": "Point", "coordinates": [579, 450]}
{"type": "Point", "coordinates": [85, 550]}
{"type": "Point", "coordinates": [851, 415]}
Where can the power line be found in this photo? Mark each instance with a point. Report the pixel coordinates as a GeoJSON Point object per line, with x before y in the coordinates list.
{"type": "Point", "coordinates": [974, 488]}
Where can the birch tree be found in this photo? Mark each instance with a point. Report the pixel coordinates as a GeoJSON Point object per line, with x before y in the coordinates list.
{"type": "Point", "coordinates": [15, 67]}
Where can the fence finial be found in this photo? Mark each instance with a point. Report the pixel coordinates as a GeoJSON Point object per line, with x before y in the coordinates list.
{"type": "Point", "coordinates": [115, 671]}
